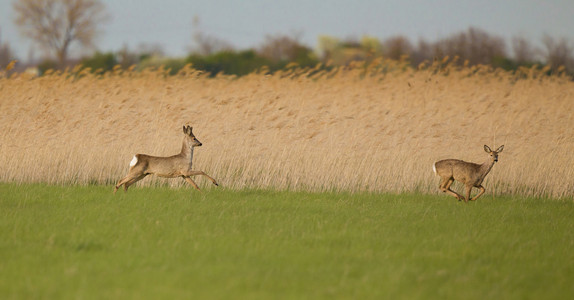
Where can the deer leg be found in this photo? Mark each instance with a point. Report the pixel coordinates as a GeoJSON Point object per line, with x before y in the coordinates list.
{"type": "Point", "coordinates": [122, 181]}
{"type": "Point", "coordinates": [132, 181]}
{"type": "Point", "coordinates": [453, 193]}
{"type": "Point", "coordinates": [444, 186]}
{"type": "Point", "coordinates": [482, 190]}
{"type": "Point", "coordinates": [188, 179]}
{"type": "Point", "coordinates": [128, 180]}
{"type": "Point", "coordinates": [193, 173]}
{"type": "Point", "coordinates": [468, 189]}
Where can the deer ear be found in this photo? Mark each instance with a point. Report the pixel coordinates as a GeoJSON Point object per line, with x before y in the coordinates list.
{"type": "Point", "coordinates": [500, 149]}
{"type": "Point", "coordinates": [190, 130]}
{"type": "Point", "coordinates": [184, 129]}
{"type": "Point", "coordinates": [487, 149]}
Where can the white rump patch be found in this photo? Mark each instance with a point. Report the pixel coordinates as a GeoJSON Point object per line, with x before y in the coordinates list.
{"type": "Point", "coordinates": [134, 161]}
{"type": "Point", "coordinates": [433, 166]}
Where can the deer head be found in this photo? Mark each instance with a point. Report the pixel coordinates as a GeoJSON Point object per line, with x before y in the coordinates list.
{"type": "Point", "coordinates": [190, 139]}
{"type": "Point", "coordinates": [493, 154]}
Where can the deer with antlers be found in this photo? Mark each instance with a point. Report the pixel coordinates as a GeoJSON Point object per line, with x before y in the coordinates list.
{"type": "Point", "coordinates": [178, 165]}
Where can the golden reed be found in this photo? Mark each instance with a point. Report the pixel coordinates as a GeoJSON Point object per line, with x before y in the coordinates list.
{"type": "Point", "coordinates": [377, 128]}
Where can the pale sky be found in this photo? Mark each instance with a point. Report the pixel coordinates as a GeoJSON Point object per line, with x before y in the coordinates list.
{"type": "Point", "coordinates": [244, 24]}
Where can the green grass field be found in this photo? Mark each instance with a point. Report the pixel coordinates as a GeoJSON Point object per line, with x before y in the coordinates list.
{"type": "Point", "coordinates": [83, 242]}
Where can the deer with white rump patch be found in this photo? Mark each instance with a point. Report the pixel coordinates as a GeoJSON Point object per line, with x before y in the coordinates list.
{"type": "Point", "coordinates": [470, 174]}
{"type": "Point", "coordinates": [178, 165]}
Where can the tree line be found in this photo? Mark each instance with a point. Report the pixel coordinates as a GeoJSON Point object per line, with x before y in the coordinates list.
{"type": "Point", "coordinates": [57, 25]}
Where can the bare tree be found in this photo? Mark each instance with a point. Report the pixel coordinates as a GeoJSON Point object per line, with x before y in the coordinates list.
{"type": "Point", "coordinates": [524, 52]}
{"type": "Point", "coordinates": [558, 53]}
{"type": "Point", "coordinates": [396, 47]}
{"type": "Point", "coordinates": [206, 44]}
{"type": "Point", "coordinates": [6, 54]}
{"type": "Point", "coordinates": [423, 51]}
{"type": "Point", "coordinates": [282, 47]}
{"type": "Point", "coordinates": [56, 24]}
{"type": "Point", "coordinates": [474, 45]}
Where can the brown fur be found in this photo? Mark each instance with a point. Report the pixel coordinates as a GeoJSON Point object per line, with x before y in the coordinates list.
{"type": "Point", "coordinates": [178, 165]}
{"type": "Point", "coordinates": [470, 174]}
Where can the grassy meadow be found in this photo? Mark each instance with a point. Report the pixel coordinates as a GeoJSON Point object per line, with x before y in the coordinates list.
{"type": "Point", "coordinates": [82, 242]}
{"type": "Point", "coordinates": [346, 129]}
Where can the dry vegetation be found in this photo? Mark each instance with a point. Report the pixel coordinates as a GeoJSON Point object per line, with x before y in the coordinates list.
{"type": "Point", "coordinates": [338, 130]}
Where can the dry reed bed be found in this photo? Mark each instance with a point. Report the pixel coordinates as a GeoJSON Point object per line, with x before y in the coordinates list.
{"type": "Point", "coordinates": [335, 130]}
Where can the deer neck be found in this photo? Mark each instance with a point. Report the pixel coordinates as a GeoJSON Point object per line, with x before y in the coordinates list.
{"type": "Point", "coordinates": [485, 168]}
{"type": "Point", "coordinates": [187, 152]}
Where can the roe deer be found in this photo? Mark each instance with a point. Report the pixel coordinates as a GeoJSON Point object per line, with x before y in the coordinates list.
{"type": "Point", "coordinates": [178, 165]}
{"type": "Point", "coordinates": [470, 174]}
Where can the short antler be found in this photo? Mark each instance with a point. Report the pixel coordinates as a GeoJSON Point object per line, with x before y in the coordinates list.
{"type": "Point", "coordinates": [188, 130]}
